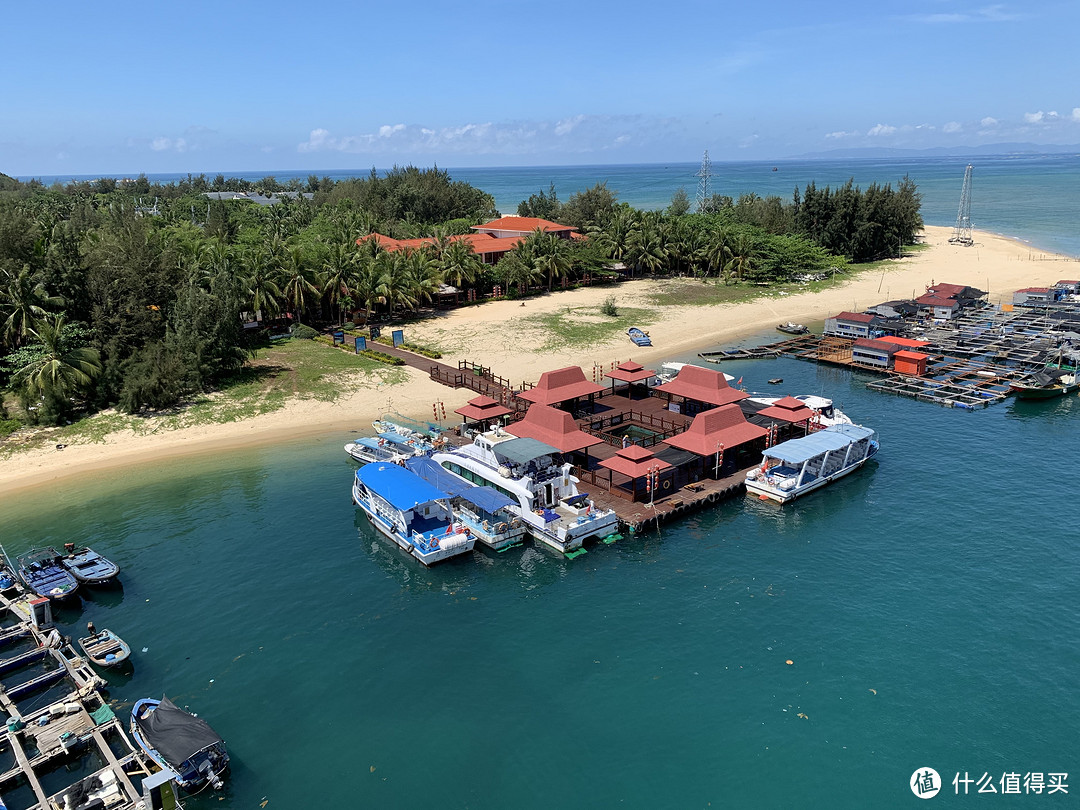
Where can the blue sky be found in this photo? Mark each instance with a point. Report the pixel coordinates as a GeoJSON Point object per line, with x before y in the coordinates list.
{"type": "Point", "coordinates": [123, 87]}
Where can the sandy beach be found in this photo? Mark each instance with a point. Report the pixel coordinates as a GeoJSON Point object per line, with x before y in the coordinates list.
{"type": "Point", "coordinates": [493, 335]}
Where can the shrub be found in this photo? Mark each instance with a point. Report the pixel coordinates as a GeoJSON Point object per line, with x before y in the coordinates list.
{"type": "Point", "coordinates": [304, 332]}
{"type": "Point", "coordinates": [608, 307]}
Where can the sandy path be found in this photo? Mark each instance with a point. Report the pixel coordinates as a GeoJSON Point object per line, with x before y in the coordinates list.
{"type": "Point", "coordinates": [493, 334]}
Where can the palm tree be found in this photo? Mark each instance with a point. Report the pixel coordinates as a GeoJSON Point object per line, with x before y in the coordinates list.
{"type": "Point", "coordinates": [23, 303]}
{"type": "Point", "coordinates": [263, 294]}
{"type": "Point", "coordinates": [422, 276]}
{"type": "Point", "coordinates": [57, 372]}
{"type": "Point", "coordinates": [339, 268]}
{"type": "Point", "coordinates": [459, 263]}
{"type": "Point", "coordinates": [550, 256]}
{"type": "Point", "coordinates": [299, 283]}
{"type": "Point", "coordinates": [718, 254]}
{"type": "Point", "coordinates": [647, 249]}
{"type": "Point", "coordinates": [744, 258]}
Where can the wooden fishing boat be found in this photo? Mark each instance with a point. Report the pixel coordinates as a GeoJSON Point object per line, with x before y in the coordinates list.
{"type": "Point", "coordinates": [181, 742]}
{"type": "Point", "coordinates": [791, 328]}
{"type": "Point", "coordinates": [105, 648]}
{"type": "Point", "coordinates": [639, 337]}
{"type": "Point", "coordinates": [42, 572]}
{"type": "Point", "coordinates": [86, 565]}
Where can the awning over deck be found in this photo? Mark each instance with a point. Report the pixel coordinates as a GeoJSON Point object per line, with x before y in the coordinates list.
{"type": "Point", "coordinates": [488, 499]}
{"type": "Point", "coordinates": [835, 437]}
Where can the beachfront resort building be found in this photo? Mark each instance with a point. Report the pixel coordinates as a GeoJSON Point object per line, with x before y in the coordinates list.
{"type": "Point", "coordinates": [849, 325]}
{"type": "Point", "coordinates": [492, 240]}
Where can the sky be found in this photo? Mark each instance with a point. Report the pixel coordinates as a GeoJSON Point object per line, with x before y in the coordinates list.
{"type": "Point", "coordinates": [121, 88]}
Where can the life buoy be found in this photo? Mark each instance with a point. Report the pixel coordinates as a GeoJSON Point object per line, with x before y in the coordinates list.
{"type": "Point", "coordinates": [515, 523]}
{"type": "Point", "coordinates": [500, 527]}
{"type": "Point", "coordinates": [486, 526]}
{"type": "Point", "coordinates": [434, 544]}
{"type": "Point", "coordinates": [666, 484]}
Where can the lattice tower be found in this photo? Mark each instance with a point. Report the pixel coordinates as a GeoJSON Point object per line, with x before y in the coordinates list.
{"type": "Point", "coordinates": [962, 232]}
{"type": "Point", "coordinates": [703, 175]}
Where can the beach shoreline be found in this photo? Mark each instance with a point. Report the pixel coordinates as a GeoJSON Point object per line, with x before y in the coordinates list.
{"type": "Point", "coordinates": [489, 335]}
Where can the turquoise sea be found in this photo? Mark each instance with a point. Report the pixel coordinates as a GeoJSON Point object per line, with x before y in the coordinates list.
{"type": "Point", "coordinates": [928, 604]}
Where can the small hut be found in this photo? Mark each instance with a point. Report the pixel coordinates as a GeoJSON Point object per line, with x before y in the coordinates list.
{"type": "Point", "coordinates": [629, 373]}
{"type": "Point", "coordinates": [700, 389]}
{"type": "Point", "coordinates": [481, 410]}
{"type": "Point", "coordinates": [634, 463]}
{"type": "Point", "coordinates": [556, 428]}
{"type": "Point", "coordinates": [720, 430]}
{"type": "Point", "coordinates": [564, 385]}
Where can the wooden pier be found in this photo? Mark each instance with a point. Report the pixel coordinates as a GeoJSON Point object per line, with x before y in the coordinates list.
{"type": "Point", "coordinates": [44, 737]}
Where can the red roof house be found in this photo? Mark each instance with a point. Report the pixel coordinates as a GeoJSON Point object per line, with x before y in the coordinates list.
{"type": "Point", "coordinates": [702, 385]}
{"type": "Point", "coordinates": [787, 409]}
{"type": "Point", "coordinates": [554, 427]}
{"type": "Point", "coordinates": [482, 409]}
{"type": "Point", "coordinates": [561, 385]}
{"type": "Point", "coordinates": [725, 427]}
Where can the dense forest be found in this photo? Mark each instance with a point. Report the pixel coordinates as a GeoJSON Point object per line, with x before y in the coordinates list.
{"type": "Point", "coordinates": [134, 294]}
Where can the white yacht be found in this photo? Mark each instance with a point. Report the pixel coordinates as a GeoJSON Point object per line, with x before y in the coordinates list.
{"type": "Point", "coordinates": [411, 512]}
{"type": "Point", "coordinates": [793, 468]}
{"type": "Point", "coordinates": [669, 371]}
{"type": "Point", "coordinates": [534, 475]}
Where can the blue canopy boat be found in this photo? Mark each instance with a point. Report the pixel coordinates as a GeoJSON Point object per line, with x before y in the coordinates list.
{"type": "Point", "coordinates": [490, 515]}
{"type": "Point", "coordinates": [179, 742]}
{"type": "Point", "coordinates": [638, 337]}
{"type": "Point", "coordinates": [42, 572]}
{"type": "Point", "coordinates": [412, 513]}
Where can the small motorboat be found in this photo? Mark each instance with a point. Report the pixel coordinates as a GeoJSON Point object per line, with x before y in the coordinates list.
{"type": "Point", "coordinates": [776, 381]}
{"type": "Point", "coordinates": [86, 565]}
{"type": "Point", "coordinates": [791, 328]}
{"type": "Point", "coordinates": [105, 648]}
{"type": "Point", "coordinates": [181, 742]}
{"type": "Point", "coordinates": [639, 337]}
{"type": "Point", "coordinates": [42, 572]}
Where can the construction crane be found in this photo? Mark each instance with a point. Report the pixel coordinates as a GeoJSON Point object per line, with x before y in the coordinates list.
{"type": "Point", "coordinates": [962, 232]}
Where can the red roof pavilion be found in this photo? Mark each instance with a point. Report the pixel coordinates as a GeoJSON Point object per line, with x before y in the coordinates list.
{"type": "Point", "coordinates": [702, 385]}
{"type": "Point", "coordinates": [482, 409]}
{"type": "Point", "coordinates": [634, 461]}
{"type": "Point", "coordinates": [559, 386]}
{"type": "Point", "coordinates": [725, 426]}
{"type": "Point", "coordinates": [629, 373]}
{"type": "Point", "coordinates": [554, 427]}
{"type": "Point", "coordinates": [787, 409]}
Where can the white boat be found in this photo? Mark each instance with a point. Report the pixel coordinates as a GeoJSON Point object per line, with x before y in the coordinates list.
{"type": "Point", "coordinates": [668, 372]}
{"type": "Point", "coordinates": [828, 414]}
{"type": "Point", "coordinates": [373, 448]}
{"type": "Point", "coordinates": [535, 476]}
{"type": "Point", "coordinates": [489, 515]}
{"type": "Point", "coordinates": [793, 468]}
{"type": "Point", "coordinates": [411, 512]}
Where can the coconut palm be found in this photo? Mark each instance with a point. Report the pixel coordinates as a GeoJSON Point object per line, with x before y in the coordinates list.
{"type": "Point", "coordinates": [263, 294]}
{"type": "Point", "coordinates": [551, 258]}
{"type": "Point", "coordinates": [744, 256]}
{"type": "Point", "coordinates": [299, 283]}
{"type": "Point", "coordinates": [57, 372]}
{"type": "Point", "coordinates": [717, 253]}
{"type": "Point", "coordinates": [339, 272]}
{"type": "Point", "coordinates": [422, 276]}
{"type": "Point", "coordinates": [459, 263]}
{"type": "Point", "coordinates": [23, 301]}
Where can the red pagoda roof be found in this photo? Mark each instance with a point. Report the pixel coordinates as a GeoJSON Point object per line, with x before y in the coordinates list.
{"type": "Point", "coordinates": [554, 427]}
{"type": "Point", "coordinates": [702, 385]}
{"type": "Point", "coordinates": [561, 385]}
{"type": "Point", "coordinates": [787, 409]}
{"type": "Point", "coordinates": [634, 461]}
{"type": "Point", "coordinates": [480, 408]}
{"type": "Point", "coordinates": [725, 426]}
{"type": "Point", "coordinates": [630, 372]}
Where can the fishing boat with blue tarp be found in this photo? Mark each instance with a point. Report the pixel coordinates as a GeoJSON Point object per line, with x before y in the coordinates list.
{"type": "Point", "coordinates": [639, 337]}
{"type": "Point", "coordinates": [405, 508]}
{"type": "Point", "coordinates": [42, 572]}
{"type": "Point", "coordinates": [490, 515]}
{"type": "Point", "coordinates": [793, 468]}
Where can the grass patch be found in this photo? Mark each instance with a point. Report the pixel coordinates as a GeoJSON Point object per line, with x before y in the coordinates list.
{"type": "Point", "coordinates": [683, 292]}
{"type": "Point", "coordinates": [583, 326]}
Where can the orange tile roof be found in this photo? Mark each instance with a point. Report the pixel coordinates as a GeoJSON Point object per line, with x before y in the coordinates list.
{"type": "Point", "coordinates": [525, 224]}
{"type": "Point", "coordinates": [634, 461]}
{"type": "Point", "coordinates": [630, 372]}
{"type": "Point", "coordinates": [481, 408]}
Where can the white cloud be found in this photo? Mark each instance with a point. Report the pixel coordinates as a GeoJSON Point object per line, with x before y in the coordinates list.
{"type": "Point", "coordinates": [1035, 117]}
{"type": "Point", "coordinates": [840, 134]}
{"type": "Point", "coordinates": [952, 126]}
{"type": "Point", "coordinates": [992, 13]}
{"type": "Point", "coordinates": [1076, 114]}
{"type": "Point", "coordinates": [881, 129]}
{"type": "Point", "coordinates": [161, 144]}
{"type": "Point", "coordinates": [578, 133]}
{"type": "Point", "coordinates": [989, 122]}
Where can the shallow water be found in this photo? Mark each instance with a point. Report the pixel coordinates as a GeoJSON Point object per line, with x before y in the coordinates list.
{"type": "Point", "coordinates": [650, 673]}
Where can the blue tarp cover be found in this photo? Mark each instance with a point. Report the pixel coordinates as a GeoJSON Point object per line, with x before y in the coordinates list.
{"type": "Point", "coordinates": [401, 488]}
{"type": "Point", "coordinates": [488, 499]}
{"type": "Point", "coordinates": [396, 438]}
{"type": "Point", "coordinates": [835, 437]}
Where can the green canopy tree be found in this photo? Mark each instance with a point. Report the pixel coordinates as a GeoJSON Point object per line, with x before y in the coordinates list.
{"type": "Point", "coordinates": [54, 371]}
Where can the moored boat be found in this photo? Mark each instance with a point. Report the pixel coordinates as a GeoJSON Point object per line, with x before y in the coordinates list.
{"type": "Point", "coordinates": [533, 473]}
{"type": "Point", "coordinates": [86, 565]}
{"type": "Point", "coordinates": [412, 513]}
{"type": "Point", "coordinates": [792, 328]}
{"type": "Point", "coordinates": [43, 573]}
{"type": "Point", "coordinates": [105, 648]}
{"type": "Point", "coordinates": [181, 742]}
{"type": "Point", "coordinates": [639, 337]}
{"type": "Point", "coordinates": [826, 413]}
{"type": "Point", "coordinates": [796, 467]}
{"type": "Point", "coordinates": [1046, 384]}
{"type": "Point", "coordinates": [369, 448]}
{"type": "Point", "coordinates": [489, 515]}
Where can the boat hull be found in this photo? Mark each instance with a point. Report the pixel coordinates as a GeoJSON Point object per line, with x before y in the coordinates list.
{"type": "Point", "coordinates": [192, 775]}
{"type": "Point", "coordinates": [437, 549]}
{"type": "Point", "coordinates": [758, 490]}
{"type": "Point", "coordinates": [1042, 392]}
{"type": "Point", "coordinates": [89, 567]}
{"type": "Point", "coordinates": [106, 649]}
